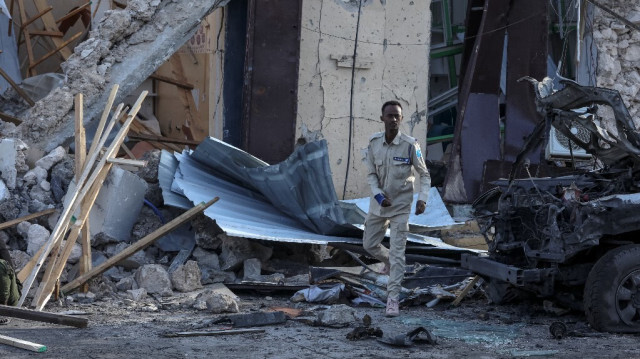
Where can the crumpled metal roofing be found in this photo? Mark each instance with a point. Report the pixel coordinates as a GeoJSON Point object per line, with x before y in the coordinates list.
{"type": "Point", "coordinates": [244, 212]}
{"type": "Point", "coordinates": [301, 186]}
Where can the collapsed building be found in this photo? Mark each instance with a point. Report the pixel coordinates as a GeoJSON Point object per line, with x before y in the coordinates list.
{"type": "Point", "coordinates": [277, 81]}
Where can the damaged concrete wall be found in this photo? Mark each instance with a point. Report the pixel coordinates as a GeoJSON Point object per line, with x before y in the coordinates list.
{"type": "Point", "coordinates": [392, 63]}
{"type": "Point", "coordinates": [619, 52]}
{"type": "Point", "coordinates": [126, 47]}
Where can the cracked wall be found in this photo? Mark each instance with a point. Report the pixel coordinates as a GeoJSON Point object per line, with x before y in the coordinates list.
{"type": "Point", "coordinates": [392, 63]}
{"type": "Point", "coordinates": [618, 47]}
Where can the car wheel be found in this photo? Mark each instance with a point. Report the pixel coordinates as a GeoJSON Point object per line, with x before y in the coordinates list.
{"type": "Point", "coordinates": [612, 291]}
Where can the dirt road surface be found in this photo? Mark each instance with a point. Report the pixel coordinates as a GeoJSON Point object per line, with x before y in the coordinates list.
{"type": "Point", "coordinates": [120, 328]}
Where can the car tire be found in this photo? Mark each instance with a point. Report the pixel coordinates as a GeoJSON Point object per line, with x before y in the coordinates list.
{"type": "Point", "coordinates": [612, 291]}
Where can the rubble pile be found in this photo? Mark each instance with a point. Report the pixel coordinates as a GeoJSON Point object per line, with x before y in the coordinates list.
{"type": "Point", "coordinates": [87, 70]}
{"type": "Point", "coordinates": [619, 52]}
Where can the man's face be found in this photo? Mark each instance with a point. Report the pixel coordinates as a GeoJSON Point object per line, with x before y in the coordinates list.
{"type": "Point", "coordinates": [391, 116]}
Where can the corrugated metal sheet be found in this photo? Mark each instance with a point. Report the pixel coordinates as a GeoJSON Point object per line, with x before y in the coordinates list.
{"type": "Point", "coordinates": [244, 212]}
{"type": "Point", "coordinates": [436, 214]}
{"type": "Point", "coordinates": [300, 186]}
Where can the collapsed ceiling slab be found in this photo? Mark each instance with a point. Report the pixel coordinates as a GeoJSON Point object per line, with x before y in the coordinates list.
{"type": "Point", "coordinates": [125, 48]}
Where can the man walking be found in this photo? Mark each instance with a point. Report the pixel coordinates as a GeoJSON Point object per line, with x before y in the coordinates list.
{"type": "Point", "coordinates": [390, 157]}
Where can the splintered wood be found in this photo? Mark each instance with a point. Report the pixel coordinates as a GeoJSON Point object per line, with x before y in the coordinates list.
{"type": "Point", "coordinates": [92, 174]}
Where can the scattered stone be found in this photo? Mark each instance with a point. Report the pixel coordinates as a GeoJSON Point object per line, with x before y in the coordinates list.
{"type": "Point", "coordinates": [236, 250]}
{"type": "Point", "coordinates": [137, 294]}
{"type": "Point", "coordinates": [210, 276]}
{"type": "Point", "coordinates": [206, 259]}
{"type": "Point", "coordinates": [37, 236]}
{"type": "Point", "coordinates": [23, 229]}
{"type": "Point", "coordinates": [149, 172]}
{"type": "Point", "coordinates": [52, 158]}
{"type": "Point", "coordinates": [187, 277]}
{"type": "Point", "coordinates": [127, 283]}
{"type": "Point", "coordinates": [36, 175]}
{"type": "Point", "coordinates": [337, 316]}
{"type": "Point", "coordinates": [84, 298]}
{"type": "Point", "coordinates": [252, 269]}
{"type": "Point", "coordinates": [155, 279]}
{"type": "Point", "coordinates": [208, 234]}
{"type": "Point", "coordinates": [216, 302]}
{"type": "Point", "coordinates": [61, 176]}
{"type": "Point", "coordinates": [20, 259]}
{"type": "Point", "coordinates": [12, 160]}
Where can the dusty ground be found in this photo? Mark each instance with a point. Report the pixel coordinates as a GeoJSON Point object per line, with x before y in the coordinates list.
{"type": "Point", "coordinates": [124, 329]}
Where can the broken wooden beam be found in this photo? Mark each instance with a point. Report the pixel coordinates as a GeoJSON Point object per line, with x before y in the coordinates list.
{"type": "Point", "coordinates": [13, 222]}
{"type": "Point", "coordinates": [141, 244]}
{"type": "Point", "coordinates": [127, 162]}
{"type": "Point", "coordinates": [22, 344]}
{"type": "Point", "coordinates": [46, 317]}
{"type": "Point", "coordinates": [6, 117]}
{"type": "Point", "coordinates": [162, 139]}
{"type": "Point", "coordinates": [465, 291]}
{"type": "Point", "coordinates": [169, 80]}
{"type": "Point", "coordinates": [17, 88]}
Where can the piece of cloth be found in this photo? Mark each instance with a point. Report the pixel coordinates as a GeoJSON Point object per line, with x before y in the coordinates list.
{"type": "Point", "coordinates": [4, 253]}
{"type": "Point", "coordinates": [10, 286]}
{"type": "Point", "coordinates": [389, 173]}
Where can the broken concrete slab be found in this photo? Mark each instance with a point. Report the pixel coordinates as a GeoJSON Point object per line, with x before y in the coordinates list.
{"type": "Point", "coordinates": [337, 316]}
{"type": "Point", "coordinates": [236, 250]}
{"type": "Point", "coordinates": [186, 278]}
{"type": "Point", "coordinates": [137, 294]}
{"type": "Point", "coordinates": [126, 283]}
{"type": "Point", "coordinates": [114, 54]}
{"type": "Point", "coordinates": [206, 259]}
{"type": "Point", "coordinates": [155, 279]}
{"type": "Point", "coordinates": [12, 160]}
{"type": "Point", "coordinates": [52, 158]}
{"type": "Point", "coordinates": [216, 302]}
{"type": "Point", "coordinates": [37, 236]}
{"type": "Point", "coordinates": [117, 206]}
{"type": "Point", "coordinates": [252, 269]}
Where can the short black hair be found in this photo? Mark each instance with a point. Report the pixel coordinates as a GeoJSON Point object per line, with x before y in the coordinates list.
{"type": "Point", "coordinates": [391, 103]}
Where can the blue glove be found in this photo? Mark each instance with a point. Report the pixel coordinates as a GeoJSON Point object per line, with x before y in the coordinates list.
{"type": "Point", "coordinates": [379, 197]}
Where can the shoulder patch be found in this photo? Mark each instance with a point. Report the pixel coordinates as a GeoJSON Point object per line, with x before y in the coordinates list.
{"type": "Point", "coordinates": [416, 145]}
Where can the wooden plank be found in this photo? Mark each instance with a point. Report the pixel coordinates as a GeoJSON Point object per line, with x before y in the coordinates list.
{"type": "Point", "coordinates": [6, 117]}
{"type": "Point", "coordinates": [50, 25]}
{"type": "Point", "coordinates": [30, 21]}
{"type": "Point", "coordinates": [141, 244]}
{"type": "Point", "coordinates": [46, 33]}
{"type": "Point", "coordinates": [465, 291]}
{"type": "Point", "coordinates": [129, 153]}
{"type": "Point", "coordinates": [181, 84]}
{"type": "Point", "coordinates": [22, 344]}
{"type": "Point", "coordinates": [58, 262]}
{"type": "Point", "coordinates": [25, 31]}
{"type": "Point", "coordinates": [82, 189]}
{"type": "Point", "coordinates": [73, 12]}
{"type": "Point", "coordinates": [28, 217]}
{"type": "Point", "coordinates": [17, 88]}
{"type": "Point", "coordinates": [103, 119]}
{"type": "Point", "coordinates": [61, 47]}
{"type": "Point", "coordinates": [154, 138]}
{"type": "Point", "coordinates": [80, 157]}
{"type": "Point", "coordinates": [45, 317]}
{"type": "Point", "coordinates": [126, 162]}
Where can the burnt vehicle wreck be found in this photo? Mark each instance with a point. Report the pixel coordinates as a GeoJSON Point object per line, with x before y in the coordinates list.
{"type": "Point", "coordinates": [572, 237]}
